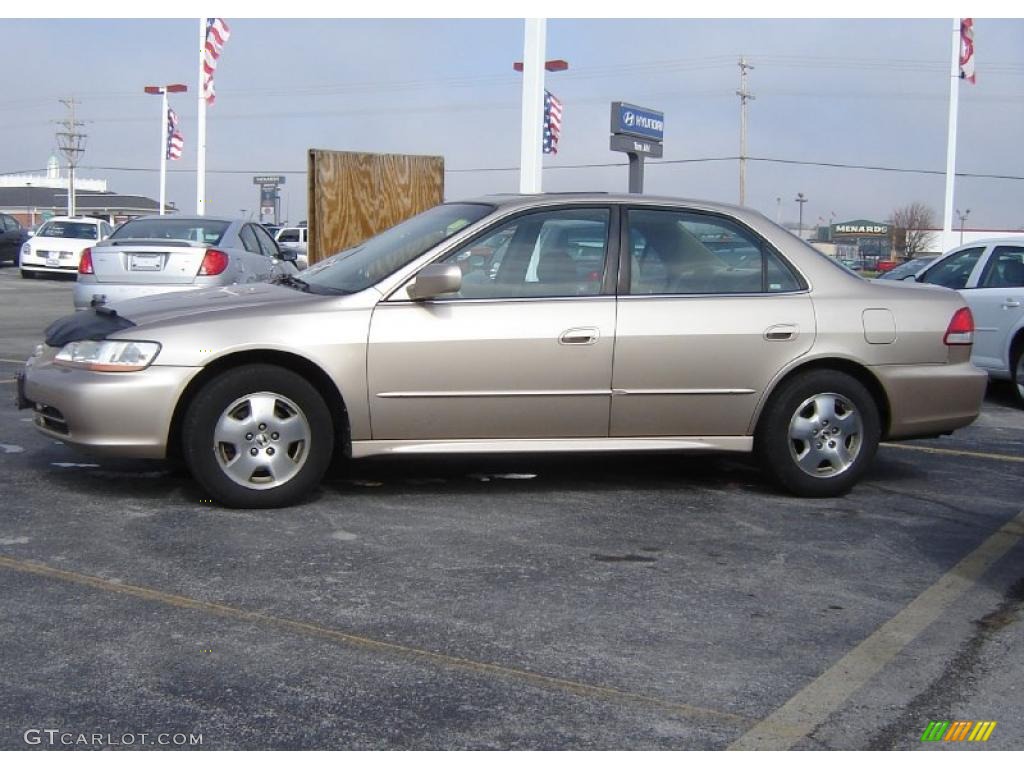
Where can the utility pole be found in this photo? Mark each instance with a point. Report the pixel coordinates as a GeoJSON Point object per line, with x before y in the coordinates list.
{"type": "Point", "coordinates": [800, 199]}
{"type": "Point", "coordinates": [745, 96]}
{"type": "Point", "coordinates": [530, 158]}
{"type": "Point", "coordinates": [71, 143]}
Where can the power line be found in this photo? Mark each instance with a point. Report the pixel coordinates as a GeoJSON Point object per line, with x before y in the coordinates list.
{"type": "Point", "coordinates": [576, 166]}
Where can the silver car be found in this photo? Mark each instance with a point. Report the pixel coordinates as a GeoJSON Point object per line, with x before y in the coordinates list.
{"type": "Point", "coordinates": [161, 254]}
{"type": "Point", "coordinates": [520, 324]}
{"type": "Point", "coordinates": [990, 275]}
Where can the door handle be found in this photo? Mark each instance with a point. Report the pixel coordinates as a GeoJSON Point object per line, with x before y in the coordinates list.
{"type": "Point", "coordinates": [780, 333]}
{"type": "Point", "coordinates": [579, 336]}
{"type": "Point", "coordinates": [1011, 304]}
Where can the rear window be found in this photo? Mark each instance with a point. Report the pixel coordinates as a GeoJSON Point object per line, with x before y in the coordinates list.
{"type": "Point", "coordinates": [192, 230]}
{"type": "Point", "coordinates": [74, 230]}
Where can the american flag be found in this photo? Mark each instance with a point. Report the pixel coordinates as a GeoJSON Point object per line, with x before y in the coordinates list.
{"type": "Point", "coordinates": [552, 123]}
{"type": "Point", "coordinates": [967, 50]}
{"type": "Point", "coordinates": [217, 33]}
{"type": "Point", "coordinates": [175, 139]}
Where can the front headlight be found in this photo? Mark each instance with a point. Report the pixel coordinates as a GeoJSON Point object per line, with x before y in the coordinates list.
{"type": "Point", "coordinates": [26, 250]}
{"type": "Point", "coordinates": [108, 355]}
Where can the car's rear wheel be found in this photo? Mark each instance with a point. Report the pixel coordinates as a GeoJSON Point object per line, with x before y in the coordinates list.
{"type": "Point", "coordinates": [258, 436]}
{"type": "Point", "coordinates": [818, 433]}
{"type": "Point", "coordinates": [1017, 372]}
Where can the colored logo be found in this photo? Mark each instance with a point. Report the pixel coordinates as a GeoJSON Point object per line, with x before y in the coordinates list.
{"type": "Point", "coordinates": [958, 730]}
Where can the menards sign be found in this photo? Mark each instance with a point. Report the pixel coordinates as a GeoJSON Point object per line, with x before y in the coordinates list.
{"type": "Point", "coordinates": [860, 228]}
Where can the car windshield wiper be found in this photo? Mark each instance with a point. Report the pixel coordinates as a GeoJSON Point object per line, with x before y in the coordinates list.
{"type": "Point", "coordinates": [292, 282]}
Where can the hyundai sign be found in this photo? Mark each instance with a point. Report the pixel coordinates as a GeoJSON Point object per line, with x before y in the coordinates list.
{"type": "Point", "coordinates": [632, 120]}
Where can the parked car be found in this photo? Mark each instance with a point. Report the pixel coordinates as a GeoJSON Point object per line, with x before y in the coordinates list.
{"type": "Point", "coordinates": [990, 276]}
{"type": "Point", "coordinates": [12, 237]}
{"type": "Point", "coordinates": [908, 270]}
{"type": "Point", "coordinates": [293, 238]}
{"type": "Point", "coordinates": [56, 246]}
{"type": "Point", "coordinates": [162, 254]}
{"type": "Point", "coordinates": [414, 342]}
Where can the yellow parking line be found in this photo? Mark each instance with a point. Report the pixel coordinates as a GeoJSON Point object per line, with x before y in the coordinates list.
{"type": "Point", "coordinates": [8, 360]}
{"type": "Point", "coordinates": [954, 452]}
{"type": "Point", "coordinates": [370, 644]}
{"type": "Point", "coordinates": [816, 702]}
{"type": "Point", "coordinates": [7, 381]}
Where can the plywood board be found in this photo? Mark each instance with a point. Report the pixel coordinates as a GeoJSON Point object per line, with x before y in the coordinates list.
{"type": "Point", "coordinates": [355, 195]}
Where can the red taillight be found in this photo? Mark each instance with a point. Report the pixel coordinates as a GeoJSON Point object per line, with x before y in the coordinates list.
{"type": "Point", "coordinates": [961, 328]}
{"type": "Point", "coordinates": [214, 262]}
{"type": "Point", "coordinates": [85, 262]}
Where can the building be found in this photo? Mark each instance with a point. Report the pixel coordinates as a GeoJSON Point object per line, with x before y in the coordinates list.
{"type": "Point", "coordinates": [32, 199]}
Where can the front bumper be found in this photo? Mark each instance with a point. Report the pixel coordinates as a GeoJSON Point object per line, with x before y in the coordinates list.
{"type": "Point", "coordinates": [113, 292]}
{"type": "Point", "coordinates": [117, 414]}
{"type": "Point", "coordinates": [929, 400]}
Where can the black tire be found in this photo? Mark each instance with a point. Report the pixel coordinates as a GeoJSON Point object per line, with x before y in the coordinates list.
{"type": "Point", "coordinates": [825, 463]}
{"type": "Point", "coordinates": [1017, 372]}
{"type": "Point", "coordinates": [289, 396]}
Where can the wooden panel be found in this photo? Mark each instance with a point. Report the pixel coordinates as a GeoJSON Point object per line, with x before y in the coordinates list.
{"type": "Point", "coordinates": [354, 195]}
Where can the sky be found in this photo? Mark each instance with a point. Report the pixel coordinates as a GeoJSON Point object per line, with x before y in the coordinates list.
{"type": "Point", "coordinates": [861, 91]}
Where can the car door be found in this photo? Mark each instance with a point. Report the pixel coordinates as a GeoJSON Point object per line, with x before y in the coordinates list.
{"type": "Point", "coordinates": [269, 248]}
{"type": "Point", "coordinates": [996, 299]}
{"type": "Point", "coordinates": [258, 264]}
{"type": "Point", "coordinates": [523, 350]}
{"type": "Point", "coordinates": [708, 314]}
{"type": "Point", "coordinates": [10, 238]}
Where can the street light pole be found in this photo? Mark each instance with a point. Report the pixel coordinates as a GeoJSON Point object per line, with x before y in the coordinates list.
{"type": "Point", "coordinates": [963, 220]}
{"type": "Point", "coordinates": [162, 91]}
{"type": "Point", "coordinates": [801, 200]}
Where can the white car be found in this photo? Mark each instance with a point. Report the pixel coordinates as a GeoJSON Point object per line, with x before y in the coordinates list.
{"type": "Point", "coordinates": [989, 274]}
{"type": "Point", "coordinates": [57, 245]}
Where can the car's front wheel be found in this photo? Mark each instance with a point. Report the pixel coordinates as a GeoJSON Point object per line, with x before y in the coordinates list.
{"type": "Point", "coordinates": [1017, 373]}
{"type": "Point", "coordinates": [818, 433]}
{"type": "Point", "coordinates": [258, 436]}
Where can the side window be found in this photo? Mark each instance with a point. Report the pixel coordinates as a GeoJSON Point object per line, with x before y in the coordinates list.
{"type": "Point", "coordinates": [288, 236]}
{"type": "Point", "coordinates": [5, 224]}
{"type": "Point", "coordinates": [552, 253]}
{"type": "Point", "coordinates": [248, 239]}
{"type": "Point", "coordinates": [1005, 268]}
{"type": "Point", "coordinates": [267, 244]}
{"type": "Point", "coordinates": [682, 252]}
{"type": "Point", "coordinates": [953, 271]}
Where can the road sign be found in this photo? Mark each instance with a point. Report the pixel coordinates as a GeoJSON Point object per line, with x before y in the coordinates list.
{"type": "Point", "coordinates": [272, 180]}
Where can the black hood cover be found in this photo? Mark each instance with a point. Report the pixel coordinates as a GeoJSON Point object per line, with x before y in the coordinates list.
{"type": "Point", "coordinates": [90, 325]}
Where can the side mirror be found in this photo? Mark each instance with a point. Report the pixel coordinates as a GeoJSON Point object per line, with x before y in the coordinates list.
{"type": "Point", "coordinates": [434, 280]}
{"type": "Point", "coordinates": [910, 277]}
{"type": "Point", "coordinates": [285, 254]}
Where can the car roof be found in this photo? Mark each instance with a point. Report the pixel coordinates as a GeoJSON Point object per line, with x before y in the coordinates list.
{"type": "Point", "coordinates": [509, 200]}
{"type": "Point", "coordinates": [988, 241]}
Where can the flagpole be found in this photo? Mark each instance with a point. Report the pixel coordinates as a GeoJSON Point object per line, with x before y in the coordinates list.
{"type": "Point", "coordinates": [530, 160]}
{"type": "Point", "coordinates": [201, 129]}
{"type": "Point", "coordinates": [954, 99]}
{"type": "Point", "coordinates": [164, 138]}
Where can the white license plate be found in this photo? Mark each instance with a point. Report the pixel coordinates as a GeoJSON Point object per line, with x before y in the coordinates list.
{"type": "Point", "coordinates": [53, 260]}
{"type": "Point", "coordinates": [146, 261]}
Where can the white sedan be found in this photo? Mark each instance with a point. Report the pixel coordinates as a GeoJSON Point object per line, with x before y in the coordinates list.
{"type": "Point", "coordinates": [57, 245]}
{"type": "Point", "coordinates": [990, 276]}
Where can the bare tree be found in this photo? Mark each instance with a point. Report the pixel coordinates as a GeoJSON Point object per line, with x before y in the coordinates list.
{"type": "Point", "coordinates": [911, 224]}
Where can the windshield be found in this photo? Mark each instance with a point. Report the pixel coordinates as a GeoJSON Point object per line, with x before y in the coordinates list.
{"type": "Point", "coordinates": [74, 230]}
{"type": "Point", "coordinates": [370, 262]}
{"type": "Point", "coordinates": [906, 269]}
{"type": "Point", "coordinates": [193, 230]}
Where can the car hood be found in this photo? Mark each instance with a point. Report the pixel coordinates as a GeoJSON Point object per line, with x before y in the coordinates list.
{"type": "Point", "coordinates": [191, 305]}
{"type": "Point", "coordinates": [174, 308]}
{"type": "Point", "coordinates": [61, 243]}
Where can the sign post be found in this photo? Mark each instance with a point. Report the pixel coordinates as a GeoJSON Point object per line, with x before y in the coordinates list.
{"type": "Point", "coordinates": [639, 132]}
{"type": "Point", "coordinates": [270, 198]}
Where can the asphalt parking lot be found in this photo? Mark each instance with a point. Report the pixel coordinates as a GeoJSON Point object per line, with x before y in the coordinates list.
{"type": "Point", "coordinates": [613, 602]}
